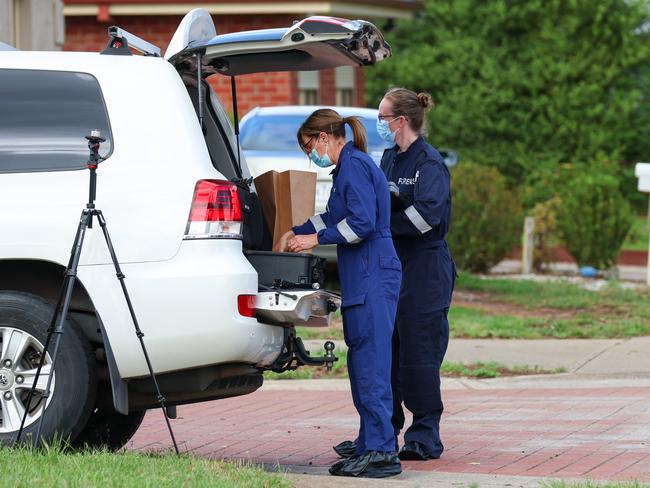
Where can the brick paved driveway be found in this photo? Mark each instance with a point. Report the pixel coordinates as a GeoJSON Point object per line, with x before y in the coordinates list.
{"type": "Point", "coordinates": [590, 433]}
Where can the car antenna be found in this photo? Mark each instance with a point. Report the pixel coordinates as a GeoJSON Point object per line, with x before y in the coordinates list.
{"type": "Point", "coordinates": [233, 85]}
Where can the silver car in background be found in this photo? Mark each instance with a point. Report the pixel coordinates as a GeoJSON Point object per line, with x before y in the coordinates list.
{"type": "Point", "coordinates": [268, 141]}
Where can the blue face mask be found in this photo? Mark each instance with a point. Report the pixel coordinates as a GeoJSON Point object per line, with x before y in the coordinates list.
{"type": "Point", "coordinates": [318, 160]}
{"type": "Point", "coordinates": [384, 131]}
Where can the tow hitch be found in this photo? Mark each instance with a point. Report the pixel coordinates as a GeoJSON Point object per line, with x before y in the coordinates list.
{"type": "Point", "coordinates": [295, 355]}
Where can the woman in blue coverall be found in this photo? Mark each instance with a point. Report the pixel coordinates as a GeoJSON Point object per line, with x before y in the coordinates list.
{"type": "Point", "coordinates": [420, 220]}
{"type": "Point", "coordinates": [357, 220]}
{"type": "Point", "coordinates": [420, 214]}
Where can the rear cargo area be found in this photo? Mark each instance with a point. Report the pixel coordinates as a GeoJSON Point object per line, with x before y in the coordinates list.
{"type": "Point", "coordinates": [287, 270]}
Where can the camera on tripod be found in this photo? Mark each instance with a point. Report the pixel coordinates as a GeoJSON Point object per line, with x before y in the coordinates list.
{"type": "Point", "coordinates": [94, 140]}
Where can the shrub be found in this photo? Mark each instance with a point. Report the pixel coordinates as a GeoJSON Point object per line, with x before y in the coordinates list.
{"type": "Point", "coordinates": [486, 217]}
{"type": "Point", "coordinates": [594, 219]}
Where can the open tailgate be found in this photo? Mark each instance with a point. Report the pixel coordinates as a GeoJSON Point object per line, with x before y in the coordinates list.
{"type": "Point", "coordinates": [311, 44]}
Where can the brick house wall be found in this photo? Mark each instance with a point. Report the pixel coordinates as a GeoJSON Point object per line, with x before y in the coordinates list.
{"type": "Point", "coordinates": [85, 33]}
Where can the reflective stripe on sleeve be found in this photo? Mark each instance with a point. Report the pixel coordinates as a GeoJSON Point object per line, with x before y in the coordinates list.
{"type": "Point", "coordinates": [417, 220]}
{"type": "Point", "coordinates": [317, 222]}
{"type": "Point", "coordinates": [346, 231]}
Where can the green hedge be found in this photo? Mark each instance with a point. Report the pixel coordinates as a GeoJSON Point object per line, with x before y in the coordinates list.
{"type": "Point", "coordinates": [593, 219]}
{"type": "Point", "coordinates": [486, 217]}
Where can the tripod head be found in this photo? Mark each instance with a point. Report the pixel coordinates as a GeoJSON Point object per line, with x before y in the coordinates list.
{"type": "Point", "coordinates": [94, 140]}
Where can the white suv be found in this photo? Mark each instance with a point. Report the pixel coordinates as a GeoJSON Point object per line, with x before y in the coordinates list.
{"type": "Point", "coordinates": [181, 213]}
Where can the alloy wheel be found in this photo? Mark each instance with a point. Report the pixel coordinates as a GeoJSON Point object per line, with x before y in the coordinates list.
{"type": "Point", "coordinates": [19, 359]}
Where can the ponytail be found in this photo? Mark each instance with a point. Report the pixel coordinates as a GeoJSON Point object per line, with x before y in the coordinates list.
{"type": "Point", "coordinates": [328, 121]}
{"type": "Point", "coordinates": [358, 133]}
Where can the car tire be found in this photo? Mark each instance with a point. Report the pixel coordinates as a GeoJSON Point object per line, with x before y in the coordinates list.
{"type": "Point", "coordinates": [24, 321]}
{"type": "Point", "coordinates": [108, 429]}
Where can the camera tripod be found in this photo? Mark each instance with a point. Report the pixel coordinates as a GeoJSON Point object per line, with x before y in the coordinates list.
{"type": "Point", "coordinates": [55, 331]}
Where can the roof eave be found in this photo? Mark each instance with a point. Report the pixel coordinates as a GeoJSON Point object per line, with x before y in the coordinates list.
{"type": "Point", "coordinates": [361, 9]}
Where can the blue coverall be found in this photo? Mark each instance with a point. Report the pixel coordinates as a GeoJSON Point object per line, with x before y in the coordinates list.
{"type": "Point", "coordinates": [422, 331]}
{"type": "Point", "coordinates": [358, 221]}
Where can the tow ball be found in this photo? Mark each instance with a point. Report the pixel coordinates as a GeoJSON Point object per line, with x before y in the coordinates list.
{"type": "Point", "coordinates": [329, 355]}
{"type": "Point", "coordinates": [303, 358]}
{"type": "Point", "coordinates": [296, 355]}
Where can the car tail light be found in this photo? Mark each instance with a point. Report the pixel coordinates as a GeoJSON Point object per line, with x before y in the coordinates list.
{"type": "Point", "coordinates": [246, 305]}
{"type": "Point", "coordinates": [216, 212]}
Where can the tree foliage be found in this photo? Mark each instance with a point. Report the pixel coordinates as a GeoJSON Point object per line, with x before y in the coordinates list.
{"type": "Point", "coordinates": [521, 83]}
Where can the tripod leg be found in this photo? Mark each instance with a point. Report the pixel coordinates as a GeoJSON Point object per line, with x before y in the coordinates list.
{"type": "Point", "coordinates": [138, 332]}
{"type": "Point", "coordinates": [41, 362]}
{"type": "Point", "coordinates": [55, 331]}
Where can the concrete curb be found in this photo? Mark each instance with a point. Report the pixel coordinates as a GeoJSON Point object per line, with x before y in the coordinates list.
{"type": "Point", "coordinates": [308, 477]}
{"type": "Point", "coordinates": [564, 380]}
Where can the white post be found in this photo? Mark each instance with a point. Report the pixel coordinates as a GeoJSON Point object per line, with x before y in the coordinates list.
{"type": "Point", "coordinates": [647, 278]}
{"type": "Point", "coordinates": [528, 245]}
{"type": "Point", "coordinates": [642, 171]}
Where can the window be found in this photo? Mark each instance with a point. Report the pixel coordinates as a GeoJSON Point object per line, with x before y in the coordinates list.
{"type": "Point", "coordinates": [344, 82]}
{"type": "Point", "coordinates": [213, 131]}
{"type": "Point", "coordinates": [277, 132]}
{"type": "Point", "coordinates": [45, 117]}
{"type": "Point", "coordinates": [308, 87]}
{"type": "Point", "coordinates": [271, 133]}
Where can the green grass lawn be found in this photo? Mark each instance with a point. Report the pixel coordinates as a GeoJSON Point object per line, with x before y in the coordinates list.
{"type": "Point", "coordinates": [552, 309]}
{"type": "Point", "coordinates": [472, 323]}
{"type": "Point", "coordinates": [52, 468]}
{"type": "Point", "coordinates": [637, 238]}
{"type": "Point", "coordinates": [333, 332]}
{"type": "Point", "coordinates": [491, 369]}
{"type": "Point", "coordinates": [554, 294]}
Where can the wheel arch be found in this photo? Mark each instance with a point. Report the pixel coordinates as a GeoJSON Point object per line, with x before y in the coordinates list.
{"type": "Point", "coordinates": [44, 279]}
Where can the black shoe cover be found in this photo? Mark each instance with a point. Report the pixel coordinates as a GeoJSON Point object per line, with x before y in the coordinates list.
{"type": "Point", "coordinates": [373, 464]}
{"type": "Point", "coordinates": [414, 451]}
{"type": "Point", "coordinates": [346, 449]}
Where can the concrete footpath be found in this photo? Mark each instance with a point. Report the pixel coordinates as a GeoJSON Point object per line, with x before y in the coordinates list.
{"type": "Point", "coordinates": [602, 357]}
{"type": "Point", "coordinates": [592, 422]}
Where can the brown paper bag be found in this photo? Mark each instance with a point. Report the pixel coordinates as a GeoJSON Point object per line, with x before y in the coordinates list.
{"type": "Point", "coordinates": [287, 199]}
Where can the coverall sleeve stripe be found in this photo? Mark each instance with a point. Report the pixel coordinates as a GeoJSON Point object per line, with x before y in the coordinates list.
{"type": "Point", "coordinates": [317, 222]}
{"type": "Point", "coordinates": [346, 231]}
{"type": "Point", "coordinates": [417, 220]}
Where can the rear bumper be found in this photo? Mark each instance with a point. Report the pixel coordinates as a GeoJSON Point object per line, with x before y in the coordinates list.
{"type": "Point", "coordinates": [187, 309]}
{"type": "Point", "coordinates": [307, 308]}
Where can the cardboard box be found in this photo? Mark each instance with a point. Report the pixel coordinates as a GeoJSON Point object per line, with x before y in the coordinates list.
{"type": "Point", "coordinates": [287, 199]}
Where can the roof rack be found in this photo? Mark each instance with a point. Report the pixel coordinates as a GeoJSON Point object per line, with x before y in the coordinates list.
{"type": "Point", "coordinates": [121, 40]}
